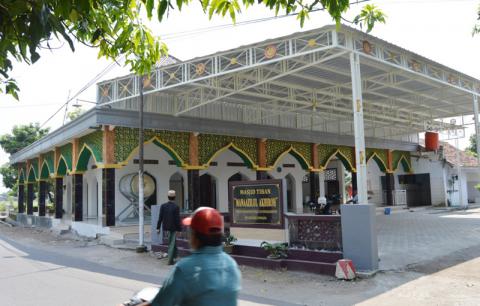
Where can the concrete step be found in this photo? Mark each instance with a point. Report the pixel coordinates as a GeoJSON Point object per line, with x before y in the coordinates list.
{"type": "Point", "coordinates": [112, 239]}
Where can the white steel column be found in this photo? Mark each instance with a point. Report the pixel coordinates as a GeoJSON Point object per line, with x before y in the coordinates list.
{"type": "Point", "coordinates": [477, 128]}
{"type": "Point", "coordinates": [321, 182]}
{"type": "Point", "coordinates": [359, 131]}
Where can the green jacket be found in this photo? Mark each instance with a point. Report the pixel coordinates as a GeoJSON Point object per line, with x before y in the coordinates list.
{"type": "Point", "coordinates": [208, 277]}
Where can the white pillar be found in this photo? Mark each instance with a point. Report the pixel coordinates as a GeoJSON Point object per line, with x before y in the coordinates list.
{"type": "Point", "coordinates": [99, 176]}
{"type": "Point", "coordinates": [357, 102]}
{"type": "Point", "coordinates": [321, 181]}
{"type": "Point", "coordinates": [477, 128]}
{"type": "Point", "coordinates": [298, 194]}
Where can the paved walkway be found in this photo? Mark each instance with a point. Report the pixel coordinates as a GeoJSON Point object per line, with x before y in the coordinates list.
{"type": "Point", "coordinates": [406, 238]}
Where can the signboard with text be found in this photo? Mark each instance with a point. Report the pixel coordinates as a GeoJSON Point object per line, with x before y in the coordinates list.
{"type": "Point", "coordinates": [256, 204]}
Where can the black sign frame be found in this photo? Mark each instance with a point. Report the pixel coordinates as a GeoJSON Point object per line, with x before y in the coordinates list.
{"type": "Point", "coordinates": [259, 183]}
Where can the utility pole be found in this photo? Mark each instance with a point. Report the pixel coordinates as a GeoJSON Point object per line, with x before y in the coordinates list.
{"type": "Point", "coordinates": [141, 203]}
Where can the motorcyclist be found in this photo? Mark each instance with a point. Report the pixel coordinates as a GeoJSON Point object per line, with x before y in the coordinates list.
{"type": "Point", "coordinates": [208, 277]}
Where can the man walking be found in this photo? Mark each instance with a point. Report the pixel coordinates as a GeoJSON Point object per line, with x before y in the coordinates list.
{"type": "Point", "coordinates": [170, 217]}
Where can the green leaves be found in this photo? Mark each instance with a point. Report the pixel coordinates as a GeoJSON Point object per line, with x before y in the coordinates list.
{"type": "Point", "coordinates": [115, 28]}
{"type": "Point", "coordinates": [11, 88]}
{"type": "Point", "coordinates": [368, 16]}
{"type": "Point", "coordinates": [149, 8]}
{"type": "Point", "coordinates": [162, 8]}
{"type": "Point", "coordinates": [222, 7]}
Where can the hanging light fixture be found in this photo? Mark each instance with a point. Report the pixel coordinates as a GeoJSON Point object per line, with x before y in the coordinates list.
{"type": "Point", "coordinates": [77, 104]}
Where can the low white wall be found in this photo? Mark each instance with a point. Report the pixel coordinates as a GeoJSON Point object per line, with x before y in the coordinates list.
{"type": "Point", "coordinates": [89, 230]}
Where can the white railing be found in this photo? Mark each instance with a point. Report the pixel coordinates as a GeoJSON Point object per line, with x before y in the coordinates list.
{"type": "Point", "coordinates": [399, 197]}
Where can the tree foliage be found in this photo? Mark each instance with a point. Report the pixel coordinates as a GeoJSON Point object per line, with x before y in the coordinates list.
{"type": "Point", "coordinates": [74, 114]}
{"type": "Point", "coordinates": [472, 147]}
{"type": "Point", "coordinates": [9, 176]}
{"type": "Point", "coordinates": [115, 27]}
{"type": "Point", "coordinates": [21, 137]}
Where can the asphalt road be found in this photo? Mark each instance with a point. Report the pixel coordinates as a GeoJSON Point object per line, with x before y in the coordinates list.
{"type": "Point", "coordinates": [35, 276]}
{"type": "Point", "coordinates": [429, 257]}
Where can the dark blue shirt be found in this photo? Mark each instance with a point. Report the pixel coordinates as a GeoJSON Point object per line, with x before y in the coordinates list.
{"type": "Point", "coordinates": [208, 277]}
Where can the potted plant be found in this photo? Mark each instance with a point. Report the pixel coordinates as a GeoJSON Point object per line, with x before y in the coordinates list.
{"type": "Point", "coordinates": [276, 250]}
{"type": "Point", "coordinates": [229, 243]}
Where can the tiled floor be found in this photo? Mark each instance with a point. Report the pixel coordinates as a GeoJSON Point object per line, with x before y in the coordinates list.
{"type": "Point", "coordinates": [406, 238]}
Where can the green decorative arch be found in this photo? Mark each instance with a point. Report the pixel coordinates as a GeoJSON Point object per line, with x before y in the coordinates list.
{"type": "Point", "coordinates": [126, 143]}
{"type": "Point", "coordinates": [407, 167]}
{"type": "Point", "coordinates": [94, 142]}
{"type": "Point", "coordinates": [341, 156]}
{"type": "Point", "coordinates": [232, 147]}
{"type": "Point", "coordinates": [210, 146]}
{"type": "Point", "coordinates": [32, 175]}
{"type": "Point", "coordinates": [403, 158]}
{"type": "Point", "coordinates": [170, 151]}
{"type": "Point", "coordinates": [166, 147]}
{"type": "Point", "coordinates": [381, 163]}
{"type": "Point", "coordinates": [297, 155]}
{"type": "Point", "coordinates": [49, 157]}
{"type": "Point", "coordinates": [62, 167]}
{"type": "Point", "coordinates": [345, 154]}
{"type": "Point", "coordinates": [84, 157]}
{"type": "Point", "coordinates": [45, 171]}
{"type": "Point", "coordinates": [66, 153]}
{"type": "Point", "coordinates": [21, 176]}
{"type": "Point", "coordinates": [276, 149]}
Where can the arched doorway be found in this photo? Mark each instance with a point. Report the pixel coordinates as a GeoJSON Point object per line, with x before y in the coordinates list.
{"type": "Point", "coordinates": [237, 177]}
{"type": "Point", "coordinates": [290, 182]}
{"type": "Point", "coordinates": [208, 191]}
{"type": "Point", "coordinates": [176, 183]}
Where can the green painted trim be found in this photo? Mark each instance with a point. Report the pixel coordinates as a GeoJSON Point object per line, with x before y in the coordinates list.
{"type": "Point", "coordinates": [344, 161]}
{"type": "Point", "coordinates": [83, 159]}
{"type": "Point", "coordinates": [300, 159]}
{"type": "Point", "coordinates": [379, 162]}
{"type": "Point", "coordinates": [170, 152]}
{"type": "Point", "coordinates": [244, 158]}
{"type": "Point", "coordinates": [45, 172]}
{"type": "Point", "coordinates": [62, 167]}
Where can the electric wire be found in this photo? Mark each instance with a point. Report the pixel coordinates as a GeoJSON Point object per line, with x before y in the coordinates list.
{"type": "Point", "coordinates": [183, 34]}
{"type": "Point", "coordinates": [188, 33]}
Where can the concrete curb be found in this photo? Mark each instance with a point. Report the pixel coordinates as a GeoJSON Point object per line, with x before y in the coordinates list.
{"type": "Point", "coordinates": [366, 274]}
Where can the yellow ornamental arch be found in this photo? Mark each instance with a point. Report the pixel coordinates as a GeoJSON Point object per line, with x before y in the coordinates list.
{"type": "Point", "coordinates": [163, 145]}
{"type": "Point", "coordinates": [407, 167]}
{"type": "Point", "coordinates": [380, 162]}
{"type": "Point", "coordinates": [232, 147]}
{"type": "Point", "coordinates": [45, 171]}
{"type": "Point", "coordinates": [84, 157]}
{"type": "Point", "coordinates": [31, 174]}
{"type": "Point", "coordinates": [297, 155]}
{"type": "Point", "coordinates": [344, 159]}
{"type": "Point", "coordinates": [21, 176]}
{"type": "Point", "coordinates": [62, 166]}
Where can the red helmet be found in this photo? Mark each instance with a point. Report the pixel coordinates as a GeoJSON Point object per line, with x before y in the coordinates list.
{"type": "Point", "coordinates": [205, 220]}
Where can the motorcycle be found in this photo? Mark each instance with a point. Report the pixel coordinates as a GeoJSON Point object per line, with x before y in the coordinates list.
{"type": "Point", "coordinates": [142, 296]}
